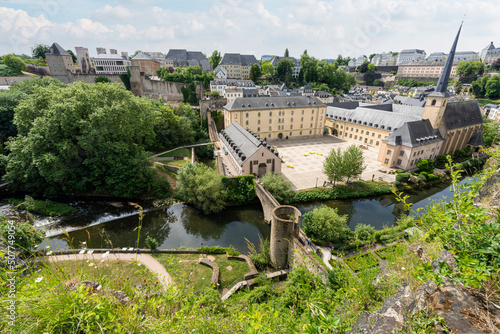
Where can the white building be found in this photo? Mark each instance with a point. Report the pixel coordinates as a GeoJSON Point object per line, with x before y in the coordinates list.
{"type": "Point", "coordinates": [410, 55]}
{"type": "Point", "coordinates": [490, 54]}
{"type": "Point", "coordinates": [385, 59]}
{"type": "Point", "coordinates": [355, 62]}
{"type": "Point", "coordinates": [110, 64]}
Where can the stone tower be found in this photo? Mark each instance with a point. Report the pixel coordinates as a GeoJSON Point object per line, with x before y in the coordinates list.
{"type": "Point", "coordinates": [60, 63]}
{"type": "Point", "coordinates": [436, 101]}
{"type": "Point", "coordinates": [285, 223]}
{"type": "Point", "coordinates": [135, 80]}
{"type": "Point", "coordinates": [84, 59]}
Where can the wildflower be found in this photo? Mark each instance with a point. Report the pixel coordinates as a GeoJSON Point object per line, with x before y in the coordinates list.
{"type": "Point", "coordinates": [138, 264]}
{"type": "Point", "coordinates": [292, 311]}
{"type": "Point", "coordinates": [87, 261]}
{"type": "Point", "coordinates": [102, 261]}
{"type": "Point", "coordinates": [82, 251]}
{"type": "Point", "coordinates": [90, 251]}
{"type": "Point", "coordinates": [39, 279]}
{"type": "Point", "coordinates": [105, 254]}
{"type": "Point", "coordinates": [402, 268]}
{"type": "Point", "coordinates": [48, 246]}
{"type": "Point", "coordinates": [203, 278]}
{"type": "Point", "coordinates": [9, 285]}
{"type": "Point", "coordinates": [84, 243]}
{"type": "Point", "coordinates": [91, 264]}
{"type": "Point", "coordinates": [99, 288]}
{"type": "Point", "coordinates": [36, 246]}
{"type": "Point", "coordinates": [180, 261]}
{"type": "Point", "coordinates": [49, 253]}
{"type": "Point", "coordinates": [39, 269]}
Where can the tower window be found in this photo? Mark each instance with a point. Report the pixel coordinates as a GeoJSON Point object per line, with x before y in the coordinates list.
{"type": "Point", "coordinates": [433, 103]}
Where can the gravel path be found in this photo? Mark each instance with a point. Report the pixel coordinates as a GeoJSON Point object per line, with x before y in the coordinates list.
{"type": "Point", "coordinates": [151, 263]}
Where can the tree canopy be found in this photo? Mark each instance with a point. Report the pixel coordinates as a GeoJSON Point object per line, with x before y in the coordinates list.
{"type": "Point", "coordinates": [14, 62]}
{"type": "Point", "coordinates": [255, 72]}
{"type": "Point", "coordinates": [340, 165]}
{"type": "Point", "coordinates": [39, 50]}
{"type": "Point", "coordinates": [84, 138]}
{"type": "Point", "coordinates": [325, 223]}
{"type": "Point", "coordinates": [215, 59]}
{"type": "Point", "coordinates": [280, 188]}
{"type": "Point", "coordinates": [470, 68]}
{"type": "Point", "coordinates": [287, 54]}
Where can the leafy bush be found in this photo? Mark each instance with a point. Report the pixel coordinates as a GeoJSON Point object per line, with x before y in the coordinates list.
{"type": "Point", "coordinates": [280, 188]}
{"type": "Point", "coordinates": [397, 183]}
{"type": "Point", "coordinates": [403, 177]}
{"type": "Point", "coordinates": [441, 159]}
{"type": "Point", "coordinates": [364, 232]}
{"type": "Point", "coordinates": [361, 261]}
{"type": "Point", "coordinates": [426, 165]}
{"type": "Point", "coordinates": [102, 80]}
{"type": "Point", "coordinates": [431, 177]}
{"type": "Point", "coordinates": [262, 257]}
{"type": "Point", "coordinates": [399, 171]}
{"type": "Point", "coordinates": [151, 242]}
{"type": "Point", "coordinates": [356, 190]}
{"type": "Point", "coordinates": [336, 278]}
{"type": "Point", "coordinates": [421, 177]}
{"type": "Point", "coordinates": [24, 238]}
{"type": "Point", "coordinates": [239, 189]}
{"type": "Point", "coordinates": [459, 153]}
{"type": "Point", "coordinates": [325, 223]}
{"type": "Point", "coordinates": [46, 208]}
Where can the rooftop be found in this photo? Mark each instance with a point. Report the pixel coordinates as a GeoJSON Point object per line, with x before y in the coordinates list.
{"type": "Point", "coordinates": [278, 102]}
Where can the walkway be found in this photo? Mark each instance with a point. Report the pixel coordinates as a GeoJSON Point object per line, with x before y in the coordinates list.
{"type": "Point", "coordinates": [185, 146]}
{"type": "Point", "coordinates": [151, 263]}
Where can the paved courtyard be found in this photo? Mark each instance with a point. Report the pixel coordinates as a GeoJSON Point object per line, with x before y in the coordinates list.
{"type": "Point", "coordinates": [307, 170]}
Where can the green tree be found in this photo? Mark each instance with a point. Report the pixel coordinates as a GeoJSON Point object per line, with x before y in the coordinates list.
{"type": "Point", "coordinates": [200, 185]}
{"type": "Point", "coordinates": [371, 68]}
{"type": "Point", "coordinates": [73, 56]}
{"type": "Point", "coordinates": [84, 138]}
{"type": "Point", "coordinates": [280, 188]}
{"type": "Point", "coordinates": [426, 165]}
{"type": "Point", "coordinates": [333, 166]}
{"type": "Point", "coordinates": [325, 223]}
{"type": "Point", "coordinates": [470, 68]}
{"type": "Point", "coordinates": [255, 72]}
{"type": "Point", "coordinates": [353, 162]}
{"type": "Point", "coordinates": [284, 68]}
{"type": "Point", "coordinates": [493, 87]}
{"type": "Point", "coordinates": [189, 94]}
{"type": "Point", "coordinates": [215, 59]}
{"type": "Point", "coordinates": [9, 100]}
{"type": "Point", "coordinates": [287, 54]}
{"type": "Point", "coordinates": [491, 131]}
{"type": "Point", "coordinates": [267, 69]}
{"type": "Point", "coordinates": [135, 54]}
{"type": "Point", "coordinates": [14, 62]}
{"type": "Point", "coordinates": [102, 80]}
{"type": "Point", "coordinates": [214, 94]}
{"type": "Point", "coordinates": [371, 56]}
{"type": "Point", "coordinates": [39, 50]}
{"type": "Point", "coordinates": [125, 78]}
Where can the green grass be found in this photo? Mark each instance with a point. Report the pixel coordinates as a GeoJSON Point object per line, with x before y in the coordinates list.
{"type": "Point", "coordinates": [482, 102]}
{"type": "Point", "coordinates": [180, 152]}
{"type": "Point", "coordinates": [313, 253]}
{"type": "Point", "coordinates": [185, 269]}
{"type": "Point", "coordinates": [45, 208]}
{"type": "Point", "coordinates": [177, 163]}
{"type": "Point", "coordinates": [386, 252]}
{"type": "Point", "coordinates": [362, 261]}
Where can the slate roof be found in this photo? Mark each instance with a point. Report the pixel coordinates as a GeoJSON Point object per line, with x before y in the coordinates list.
{"type": "Point", "coordinates": [250, 92]}
{"type": "Point", "coordinates": [182, 57]}
{"type": "Point", "coordinates": [276, 60]}
{"type": "Point", "coordinates": [410, 101]}
{"type": "Point", "coordinates": [461, 114]}
{"type": "Point", "coordinates": [238, 59]}
{"type": "Point", "coordinates": [414, 134]}
{"type": "Point", "coordinates": [142, 56]}
{"type": "Point", "coordinates": [242, 144]}
{"type": "Point", "coordinates": [477, 139]}
{"type": "Point", "coordinates": [426, 63]}
{"type": "Point", "coordinates": [280, 102]}
{"type": "Point", "coordinates": [377, 118]}
{"type": "Point", "coordinates": [57, 50]}
{"type": "Point", "coordinates": [233, 82]}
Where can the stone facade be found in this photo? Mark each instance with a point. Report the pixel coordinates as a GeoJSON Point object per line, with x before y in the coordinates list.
{"type": "Point", "coordinates": [424, 68]}
{"type": "Point", "coordinates": [285, 225]}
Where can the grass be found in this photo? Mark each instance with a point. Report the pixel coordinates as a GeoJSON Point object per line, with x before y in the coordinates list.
{"type": "Point", "coordinates": [177, 163]}
{"type": "Point", "coordinates": [185, 269]}
{"type": "Point", "coordinates": [386, 252]}
{"type": "Point", "coordinates": [180, 152]}
{"type": "Point", "coordinates": [361, 261]}
{"type": "Point", "coordinates": [45, 208]}
{"type": "Point", "coordinates": [482, 102]}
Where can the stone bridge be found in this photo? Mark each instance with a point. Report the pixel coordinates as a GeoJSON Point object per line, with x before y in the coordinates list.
{"type": "Point", "coordinates": [269, 203]}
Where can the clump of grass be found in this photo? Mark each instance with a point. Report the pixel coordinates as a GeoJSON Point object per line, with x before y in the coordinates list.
{"type": "Point", "coordinates": [45, 208]}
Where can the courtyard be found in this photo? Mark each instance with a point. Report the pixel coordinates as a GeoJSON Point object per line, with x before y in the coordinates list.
{"type": "Point", "coordinates": [307, 166]}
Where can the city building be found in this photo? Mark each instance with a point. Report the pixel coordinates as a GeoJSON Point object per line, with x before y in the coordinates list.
{"type": "Point", "coordinates": [323, 96]}
{"type": "Point", "coordinates": [385, 59]}
{"type": "Point", "coordinates": [490, 54]}
{"type": "Point", "coordinates": [461, 56]}
{"type": "Point", "coordinates": [404, 134]}
{"type": "Point", "coordinates": [247, 152]}
{"type": "Point", "coordinates": [424, 69]}
{"type": "Point", "coordinates": [147, 64]}
{"type": "Point", "coordinates": [296, 64]}
{"type": "Point", "coordinates": [110, 64]}
{"type": "Point", "coordinates": [278, 117]}
{"type": "Point", "coordinates": [410, 55]}
{"type": "Point", "coordinates": [439, 56]}
{"type": "Point", "coordinates": [237, 65]}
{"type": "Point", "coordinates": [355, 62]}
{"type": "Point", "coordinates": [181, 57]}
{"type": "Point", "coordinates": [230, 88]}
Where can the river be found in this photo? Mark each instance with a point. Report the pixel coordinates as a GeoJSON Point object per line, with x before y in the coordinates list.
{"type": "Point", "coordinates": [104, 224]}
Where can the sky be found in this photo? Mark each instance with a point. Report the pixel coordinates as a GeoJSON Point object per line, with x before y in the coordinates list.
{"type": "Point", "coordinates": [259, 27]}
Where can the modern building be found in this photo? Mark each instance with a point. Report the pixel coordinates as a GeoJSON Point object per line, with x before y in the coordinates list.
{"type": "Point", "coordinates": [181, 57]}
{"type": "Point", "coordinates": [405, 134]}
{"type": "Point", "coordinates": [460, 56]}
{"type": "Point", "coordinates": [110, 64]}
{"type": "Point", "coordinates": [147, 64]}
{"type": "Point", "coordinates": [355, 62]}
{"type": "Point", "coordinates": [296, 64]}
{"type": "Point", "coordinates": [248, 152]}
{"type": "Point", "coordinates": [424, 69]}
{"type": "Point", "coordinates": [60, 63]}
{"type": "Point", "coordinates": [385, 59]}
{"type": "Point", "coordinates": [237, 65]}
{"type": "Point", "coordinates": [278, 117]}
{"type": "Point", "coordinates": [490, 54]}
{"type": "Point", "coordinates": [410, 55]}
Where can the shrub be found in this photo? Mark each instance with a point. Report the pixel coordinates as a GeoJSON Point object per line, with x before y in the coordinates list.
{"type": "Point", "coordinates": [459, 153]}
{"type": "Point", "coordinates": [25, 235]}
{"type": "Point", "coordinates": [399, 171]}
{"type": "Point", "coordinates": [364, 231]}
{"type": "Point", "coordinates": [441, 159]}
{"type": "Point", "coordinates": [45, 208]}
{"type": "Point", "coordinates": [102, 79]}
{"type": "Point", "coordinates": [239, 189]}
{"type": "Point", "coordinates": [426, 165]}
{"type": "Point", "coordinates": [336, 278]}
{"type": "Point", "coordinates": [431, 177]}
{"type": "Point", "coordinates": [325, 223]}
{"type": "Point", "coordinates": [403, 177]}
{"type": "Point", "coordinates": [397, 183]}
{"type": "Point", "coordinates": [280, 188]}
{"type": "Point", "coordinates": [151, 243]}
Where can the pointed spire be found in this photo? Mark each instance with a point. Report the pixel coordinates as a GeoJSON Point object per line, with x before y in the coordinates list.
{"type": "Point", "coordinates": [442, 85]}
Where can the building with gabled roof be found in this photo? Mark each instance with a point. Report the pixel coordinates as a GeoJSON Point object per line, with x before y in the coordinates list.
{"type": "Point", "coordinates": [237, 65]}
{"type": "Point", "coordinates": [146, 63]}
{"type": "Point", "coordinates": [248, 152]}
{"type": "Point", "coordinates": [60, 63]}
{"type": "Point", "coordinates": [181, 57]}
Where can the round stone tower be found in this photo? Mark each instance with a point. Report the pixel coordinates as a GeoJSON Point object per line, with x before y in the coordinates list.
{"type": "Point", "coordinates": [285, 224]}
{"type": "Point", "coordinates": [135, 80]}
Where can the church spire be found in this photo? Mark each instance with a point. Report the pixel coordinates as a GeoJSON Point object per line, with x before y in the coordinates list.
{"type": "Point", "coordinates": [442, 85]}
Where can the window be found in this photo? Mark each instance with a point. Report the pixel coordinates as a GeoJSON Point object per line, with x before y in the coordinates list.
{"type": "Point", "coordinates": [340, 134]}
{"type": "Point", "coordinates": [371, 142]}
{"type": "Point", "coordinates": [313, 112]}
{"type": "Point", "coordinates": [270, 113]}
{"type": "Point", "coordinates": [258, 129]}
{"type": "Point", "coordinates": [386, 161]}
{"type": "Point", "coordinates": [366, 140]}
{"type": "Point", "coordinates": [270, 120]}
{"type": "Point", "coordinates": [247, 115]}
{"type": "Point", "coordinates": [362, 131]}
{"type": "Point", "coordinates": [312, 118]}
{"type": "Point", "coordinates": [256, 162]}
{"type": "Point", "coordinates": [268, 161]}
{"type": "Point", "coordinates": [302, 112]}
{"type": "Point", "coordinates": [373, 134]}
{"type": "Point", "coordinates": [291, 126]}
{"type": "Point", "coordinates": [357, 130]}
{"type": "Point", "coordinates": [300, 133]}
{"type": "Point", "coordinates": [350, 135]}
{"type": "Point", "coordinates": [292, 113]}
{"type": "Point", "coordinates": [302, 119]}
{"type": "Point", "coordinates": [258, 122]}
{"type": "Point", "coordinates": [279, 114]}
{"type": "Point", "coordinates": [246, 123]}
{"type": "Point", "coordinates": [259, 113]}
{"type": "Point", "coordinates": [399, 162]}
{"type": "Point", "coordinates": [355, 137]}
{"type": "Point", "coordinates": [401, 153]}
{"type": "Point", "coordinates": [377, 144]}
{"type": "Point", "coordinates": [310, 131]}
{"type": "Point", "coordinates": [379, 136]}
{"type": "Point", "coordinates": [311, 125]}
{"type": "Point", "coordinates": [414, 153]}
{"type": "Point", "coordinates": [367, 133]}
{"type": "Point", "coordinates": [270, 128]}
{"type": "Point", "coordinates": [389, 152]}
{"type": "Point", "coordinates": [291, 120]}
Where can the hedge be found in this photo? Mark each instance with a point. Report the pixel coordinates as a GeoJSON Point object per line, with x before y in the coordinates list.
{"type": "Point", "coordinates": [239, 189]}
{"type": "Point", "coordinates": [403, 177]}
{"type": "Point", "coordinates": [322, 194]}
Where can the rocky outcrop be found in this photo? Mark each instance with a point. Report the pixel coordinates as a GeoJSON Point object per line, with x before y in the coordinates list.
{"type": "Point", "coordinates": [462, 311]}
{"type": "Point", "coordinates": [489, 195]}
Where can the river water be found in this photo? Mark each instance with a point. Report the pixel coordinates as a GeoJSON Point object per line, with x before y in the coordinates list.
{"type": "Point", "coordinates": [104, 224]}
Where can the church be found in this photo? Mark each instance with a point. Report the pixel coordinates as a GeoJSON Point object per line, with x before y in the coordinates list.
{"type": "Point", "coordinates": [405, 134]}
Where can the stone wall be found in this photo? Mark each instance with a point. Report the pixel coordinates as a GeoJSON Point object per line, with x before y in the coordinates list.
{"type": "Point", "coordinates": [7, 81]}
{"type": "Point", "coordinates": [268, 202]}
{"type": "Point", "coordinates": [90, 78]}
{"type": "Point", "coordinates": [298, 255]}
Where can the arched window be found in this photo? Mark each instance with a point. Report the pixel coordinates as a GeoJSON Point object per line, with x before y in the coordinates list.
{"type": "Point", "coordinates": [433, 103]}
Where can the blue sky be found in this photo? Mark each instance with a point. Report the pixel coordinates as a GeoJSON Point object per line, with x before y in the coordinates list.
{"type": "Point", "coordinates": [324, 28]}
